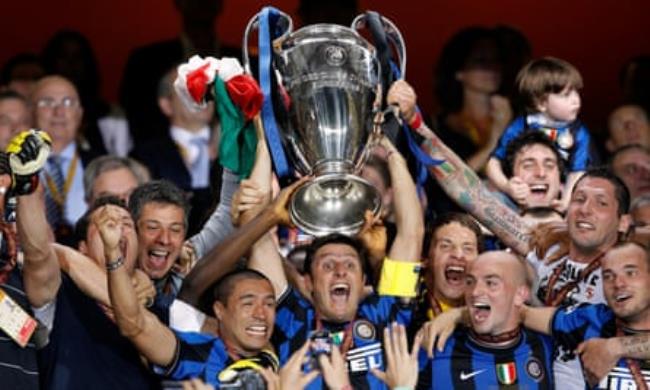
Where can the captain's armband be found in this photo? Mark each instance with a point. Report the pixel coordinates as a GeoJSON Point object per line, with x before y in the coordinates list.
{"type": "Point", "coordinates": [399, 278]}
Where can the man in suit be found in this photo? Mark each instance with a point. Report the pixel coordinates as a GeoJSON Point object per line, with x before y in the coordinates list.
{"type": "Point", "coordinates": [146, 65]}
{"type": "Point", "coordinates": [58, 112]}
{"type": "Point", "coordinates": [183, 154]}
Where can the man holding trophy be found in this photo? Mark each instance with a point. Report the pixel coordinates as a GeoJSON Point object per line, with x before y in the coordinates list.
{"type": "Point", "coordinates": [327, 115]}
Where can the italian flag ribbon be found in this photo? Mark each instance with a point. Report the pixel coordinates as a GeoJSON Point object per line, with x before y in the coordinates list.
{"type": "Point", "coordinates": [238, 98]}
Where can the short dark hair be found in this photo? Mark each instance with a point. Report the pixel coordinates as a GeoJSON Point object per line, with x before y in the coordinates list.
{"type": "Point", "coordinates": [337, 239]}
{"type": "Point", "coordinates": [158, 191]}
{"type": "Point", "coordinates": [11, 94]}
{"type": "Point", "coordinates": [621, 192]}
{"type": "Point", "coordinates": [543, 76]}
{"type": "Point", "coordinates": [222, 289]}
{"type": "Point", "coordinates": [626, 148]}
{"type": "Point", "coordinates": [463, 219]}
{"type": "Point", "coordinates": [81, 227]}
{"type": "Point", "coordinates": [528, 138]}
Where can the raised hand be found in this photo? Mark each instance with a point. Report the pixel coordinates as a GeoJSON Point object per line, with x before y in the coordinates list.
{"type": "Point", "coordinates": [28, 152]}
{"type": "Point", "coordinates": [402, 95]}
{"type": "Point", "coordinates": [401, 364]}
{"type": "Point", "coordinates": [110, 230]}
{"type": "Point", "coordinates": [334, 370]}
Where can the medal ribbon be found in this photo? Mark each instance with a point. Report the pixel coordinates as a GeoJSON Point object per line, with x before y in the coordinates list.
{"type": "Point", "coordinates": [59, 198]}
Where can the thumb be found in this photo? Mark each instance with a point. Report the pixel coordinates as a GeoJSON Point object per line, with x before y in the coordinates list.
{"type": "Point", "coordinates": [581, 348]}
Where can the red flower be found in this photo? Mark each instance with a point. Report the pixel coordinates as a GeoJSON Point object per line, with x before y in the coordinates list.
{"type": "Point", "coordinates": [197, 83]}
{"type": "Point", "coordinates": [245, 94]}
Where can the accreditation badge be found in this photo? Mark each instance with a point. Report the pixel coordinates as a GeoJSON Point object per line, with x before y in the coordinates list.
{"type": "Point", "coordinates": [15, 321]}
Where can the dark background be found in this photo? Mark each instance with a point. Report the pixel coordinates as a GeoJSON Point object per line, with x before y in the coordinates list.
{"type": "Point", "coordinates": [597, 36]}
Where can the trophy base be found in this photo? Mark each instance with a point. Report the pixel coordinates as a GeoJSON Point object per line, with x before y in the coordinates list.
{"type": "Point", "coordinates": [333, 203]}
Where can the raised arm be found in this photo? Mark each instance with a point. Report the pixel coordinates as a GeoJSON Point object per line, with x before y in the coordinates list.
{"type": "Point", "coordinates": [219, 225]}
{"type": "Point", "coordinates": [156, 342]}
{"type": "Point", "coordinates": [408, 213]}
{"type": "Point", "coordinates": [464, 186]}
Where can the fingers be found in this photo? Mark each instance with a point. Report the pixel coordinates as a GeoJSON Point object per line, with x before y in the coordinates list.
{"type": "Point", "coordinates": [380, 374]}
{"type": "Point", "coordinates": [429, 338]}
{"type": "Point", "coordinates": [417, 342]}
{"type": "Point", "coordinates": [442, 339]}
{"type": "Point", "coordinates": [307, 378]}
{"type": "Point", "coordinates": [581, 348]}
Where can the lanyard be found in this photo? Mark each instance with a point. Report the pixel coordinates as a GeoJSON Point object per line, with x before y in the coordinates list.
{"type": "Point", "coordinates": [632, 363]}
{"type": "Point", "coordinates": [554, 299]}
{"type": "Point", "coordinates": [59, 198]}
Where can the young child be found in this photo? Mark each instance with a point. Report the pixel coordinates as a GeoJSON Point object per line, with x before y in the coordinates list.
{"type": "Point", "coordinates": [549, 89]}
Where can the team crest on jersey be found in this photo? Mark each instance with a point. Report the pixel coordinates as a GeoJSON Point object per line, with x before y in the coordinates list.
{"type": "Point", "coordinates": [535, 369]}
{"type": "Point", "coordinates": [364, 330]}
{"type": "Point", "coordinates": [507, 373]}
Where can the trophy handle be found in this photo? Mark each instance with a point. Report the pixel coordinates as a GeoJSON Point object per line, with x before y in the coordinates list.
{"type": "Point", "coordinates": [393, 34]}
{"type": "Point", "coordinates": [253, 24]}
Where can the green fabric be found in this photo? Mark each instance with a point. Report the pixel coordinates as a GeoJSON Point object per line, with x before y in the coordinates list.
{"type": "Point", "coordinates": [238, 139]}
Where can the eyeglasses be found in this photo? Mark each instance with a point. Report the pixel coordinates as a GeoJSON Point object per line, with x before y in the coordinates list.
{"type": "Point", "coordinates": [50, 104]}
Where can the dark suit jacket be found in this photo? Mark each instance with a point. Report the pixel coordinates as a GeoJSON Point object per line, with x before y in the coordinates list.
{"type": "Point", "coordinates": [163, 158]}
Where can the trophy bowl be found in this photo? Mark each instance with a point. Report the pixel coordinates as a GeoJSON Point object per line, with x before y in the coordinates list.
{"type": "Point", "coordinates": [331, 76]}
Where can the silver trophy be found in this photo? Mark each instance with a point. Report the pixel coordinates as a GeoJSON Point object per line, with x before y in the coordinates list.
{"type": "Point", "coordinates": [332, 77]}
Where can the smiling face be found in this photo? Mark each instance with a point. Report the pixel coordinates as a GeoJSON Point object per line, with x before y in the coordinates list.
{"type": "Point", "coordinates": [336, 282]}
{"type": "Point", "coordinates": [626, 278]}
{"type": "Point", "coordinates": [495, 291]}
{"type": "Point", "coordinates": [537, 166]}
{"type": "Point", "coordinates": [453, 248]}
{"type": "Point", "coordinates": [57, 110]}
{"type": "Point", "coordinates": [161, 231]}
{"type": "Point", "coordinates": [563, 106]}
{"type": "Point", "coordinates": [246, 320]}
{"type": "Point", "coordinates": [592, 217]}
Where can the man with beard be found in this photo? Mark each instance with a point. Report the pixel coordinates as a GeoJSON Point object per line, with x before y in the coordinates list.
{"type": "Point", "coordinates": [569, 272]}
{"type": "Point", "coordinates": [494, 351]}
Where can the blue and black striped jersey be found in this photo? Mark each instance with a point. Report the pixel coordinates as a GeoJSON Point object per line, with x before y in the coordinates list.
{"type": "Point", "coordinates": [466, 364]}
{"type": "Point", "coordinates": [295, 319]}
{"type": "Point", "coordinates": [573, 325]}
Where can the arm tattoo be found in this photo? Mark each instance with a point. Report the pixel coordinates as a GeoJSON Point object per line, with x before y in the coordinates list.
{"type": "Point", "coordinates": [636, 347]}
{"type": "Point", "coordinates": [463, 185]}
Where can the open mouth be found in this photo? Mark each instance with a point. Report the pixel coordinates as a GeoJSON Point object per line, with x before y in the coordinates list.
{"type": "Point", "coordinates": [455, 274]}
{"type": "Point", "coordinates": [257, 330]}
{"type": "Point", "coordinates": [585, 225]}
{"type": "Point", "coordinates": [538, 190]}
{"type": "Point", "coordinates": [157, 258]}
{"type": "Point", "coordinates": [480, 311]}
{"type": "Point", "coordinates": [339, 292]}
{"type": "Point", "coordinates": [622, 297]}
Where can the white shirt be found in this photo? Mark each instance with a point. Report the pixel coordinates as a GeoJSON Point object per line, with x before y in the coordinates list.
{"type": "Point", "coordinates": [199, 170]}
{"type": "Point", "coordinates": [567, 368]}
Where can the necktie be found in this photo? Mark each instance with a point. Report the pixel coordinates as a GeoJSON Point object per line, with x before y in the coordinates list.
{"type": "Point", "coordinates": [200, 169]}
{"type": "Point", "coordinates": [54, 210]}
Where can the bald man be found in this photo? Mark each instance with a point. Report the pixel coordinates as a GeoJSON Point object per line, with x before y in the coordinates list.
{"type": "Point", "coordinates": [495, 350]}
{"type": "Point", "coordinates": [58, 112]}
